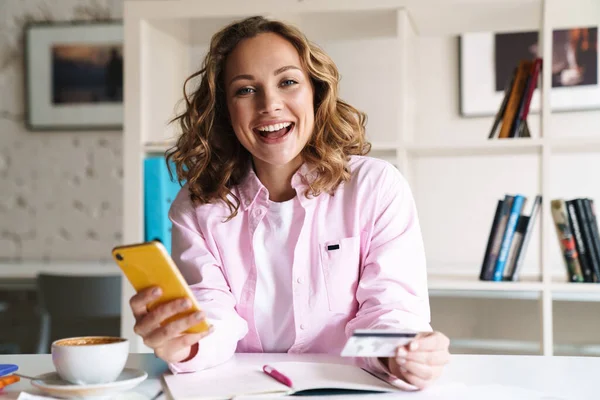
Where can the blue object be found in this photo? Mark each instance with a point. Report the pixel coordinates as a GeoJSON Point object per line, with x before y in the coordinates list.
{"type": "Point", "coordinates": [159, 193]}
{"type": "Point", "coordinates": [6, 369]}
{"type": "Point", "coordinates": [513, 217]}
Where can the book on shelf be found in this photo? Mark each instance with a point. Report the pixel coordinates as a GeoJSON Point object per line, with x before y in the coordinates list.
{"type": "Point", "coordinates": [520, 241]}
{"type": "Point", "coordinates": [495, 238]}
{"type": "Point", "coordinates": [511, 119]}
{"type": "Point", "coordinates": [577, 231]}
{"type": "Point", "coordinates": [509, 232]}
{"type": "Point", "coordinates": [159, 192]}
{"type": "Point", "coordinates": [566, 240]}
{"type": "Point", "coordinates": [509, 238]}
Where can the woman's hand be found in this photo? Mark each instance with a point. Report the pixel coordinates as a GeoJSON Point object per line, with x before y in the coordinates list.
{"type": "Point", "coordinates": [421, 361]}
{"type": "Point", "coordinates": [167, 341]}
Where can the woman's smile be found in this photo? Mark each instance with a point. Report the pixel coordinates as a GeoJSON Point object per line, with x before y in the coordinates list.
{"type": "Point", "coordinates": [274, 133]}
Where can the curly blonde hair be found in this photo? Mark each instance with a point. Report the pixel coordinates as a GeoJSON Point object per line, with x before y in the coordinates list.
{"type": "Point", "coordinates": [208, 155]}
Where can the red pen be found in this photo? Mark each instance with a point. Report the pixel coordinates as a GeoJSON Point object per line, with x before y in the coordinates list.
{"type": "Point", "coordinates": [278, 376]}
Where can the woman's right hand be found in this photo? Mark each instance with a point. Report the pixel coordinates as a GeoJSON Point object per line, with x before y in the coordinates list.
{"type": "Point", "coordinates": [168, 341]}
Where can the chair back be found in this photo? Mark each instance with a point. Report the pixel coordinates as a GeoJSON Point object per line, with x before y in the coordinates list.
{"type": "Point", "coordinates": [73, 296]}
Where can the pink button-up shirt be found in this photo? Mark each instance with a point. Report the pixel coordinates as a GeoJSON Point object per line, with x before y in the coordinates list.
{"type": "Point", "coordinates": [359, 263]}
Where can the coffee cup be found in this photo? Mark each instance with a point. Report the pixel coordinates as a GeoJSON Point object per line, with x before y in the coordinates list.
{"type": "Point", "coordinates": [89, 360]}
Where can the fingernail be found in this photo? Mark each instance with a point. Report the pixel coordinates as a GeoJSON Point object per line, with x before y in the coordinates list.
{"type": "Point", "coordinates": [414, 346]}
{"type": "Point", "coordinates": [403, 370]}
{"type": "Point", "coordinates": [186, 303]}
{"type": "Point", "coordinates": [198, 316]}
{"type": "Point", "coordinates": [401, 352]}
{"type": "Point", "coordinates": [156, 292]}
{"type": "Point", "coordinates": [401, 360]}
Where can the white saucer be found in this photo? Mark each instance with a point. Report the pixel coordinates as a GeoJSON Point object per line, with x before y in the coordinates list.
{"type": "Point", "coordinates": [53, 385]}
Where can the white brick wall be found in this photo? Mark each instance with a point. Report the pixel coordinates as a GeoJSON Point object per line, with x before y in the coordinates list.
{"type": "Point", "coordinates": [60, 192]}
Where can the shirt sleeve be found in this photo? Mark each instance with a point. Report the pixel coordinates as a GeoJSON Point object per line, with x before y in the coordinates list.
{"type": "Point", "coordinates": [392, 291]}
{"type": "Point", "coordinates": [207, 281]}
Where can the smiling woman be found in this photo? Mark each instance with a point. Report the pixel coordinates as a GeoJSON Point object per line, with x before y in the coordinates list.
{"type": "Point", "coordinates": [271, 108]}
{"type": "Point", "coordinates": [269, 73]}
{"type": "Point", "coordinates": [288, 235]}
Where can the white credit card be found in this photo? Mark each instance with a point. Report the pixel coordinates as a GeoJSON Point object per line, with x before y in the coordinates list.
{"type": "Point", "coordinates": [376, 342]}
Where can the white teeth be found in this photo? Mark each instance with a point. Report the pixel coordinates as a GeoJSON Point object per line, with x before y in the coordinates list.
{"type": "Point", "coordinates": [274, 127]}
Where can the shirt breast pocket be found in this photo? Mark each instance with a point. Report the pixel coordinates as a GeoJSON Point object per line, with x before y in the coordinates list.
{"type": "Point", "coordinates": [340, 260]}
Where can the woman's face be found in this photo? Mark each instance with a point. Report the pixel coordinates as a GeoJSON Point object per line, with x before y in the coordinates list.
{"type": "Point", "coordinates": [270, 100]}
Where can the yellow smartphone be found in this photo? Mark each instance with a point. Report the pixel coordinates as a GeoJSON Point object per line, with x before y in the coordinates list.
{"type": "Point", "coordinates": [149, 264]}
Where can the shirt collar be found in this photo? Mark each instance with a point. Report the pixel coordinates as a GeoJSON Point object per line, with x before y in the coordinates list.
{"type": "Point", "coordinates": [252, 188]}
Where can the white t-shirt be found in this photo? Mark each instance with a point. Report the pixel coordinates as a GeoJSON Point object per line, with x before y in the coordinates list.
{"type": "Point", "coordinates": [274, 241]}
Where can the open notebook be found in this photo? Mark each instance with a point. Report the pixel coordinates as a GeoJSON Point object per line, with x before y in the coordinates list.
{"type": "Point", "coordinates": [228, 381]}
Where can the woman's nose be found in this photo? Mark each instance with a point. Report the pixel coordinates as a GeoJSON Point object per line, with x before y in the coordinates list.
{"type": "Point", "coordinates": [270, 102]}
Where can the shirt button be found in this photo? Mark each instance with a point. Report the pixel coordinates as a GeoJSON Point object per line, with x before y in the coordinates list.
{"type": "Point", "coordinates": [258, 212]}
{"type": "Point", "coordinates": [300, 280]}
{"type": "Point", "coordinates": [302, 326]}
{"type": "Point", "coordinates": [247, 202]}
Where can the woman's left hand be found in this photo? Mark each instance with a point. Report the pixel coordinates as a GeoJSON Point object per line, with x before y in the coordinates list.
{"type": "Point", "coordinates": [421, 361]}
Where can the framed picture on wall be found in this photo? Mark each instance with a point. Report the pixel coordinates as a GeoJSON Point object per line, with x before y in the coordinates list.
{"type": "Point", "coordinates": [487, 61]}
{"type": "Point", "coordinates": [74, 76]}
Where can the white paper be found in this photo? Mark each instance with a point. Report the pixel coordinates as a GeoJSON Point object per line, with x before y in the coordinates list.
{"type": "Point", "coordinates": [29, 396]}
{"type": "Point", "coordinates": [229, 381]}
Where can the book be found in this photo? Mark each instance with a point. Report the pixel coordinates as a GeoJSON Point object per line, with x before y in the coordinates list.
{"type": "Point", "coordinates": [521, 120]}
{"type": "Point", "coordinates": [593, 222]}
{"type": "Point", "coordinates": [511, 224]}
{"type": "Point", "coordinates": [519, 126]}
{"type": "Point", "coordinates": [584, 215]}
{"type": "Point", "coordinates": [231, 380]}
{"type": "Point", "coordinates": [585, 258]}
{"type": "Point", "coordinates": [521, 239]}
{"type": "Point", "coordinates": [494, 243]}
{"type": "Point", "coordinates": [512, 106]}
{"type": "Point", "coordinates": [566, 240]}
{"type": "Point", "coordinates": [159, 192]}
{"type": "Point", "coordinates": [500, 114]}
{"type": "Point", "coordinates": [489, 259]}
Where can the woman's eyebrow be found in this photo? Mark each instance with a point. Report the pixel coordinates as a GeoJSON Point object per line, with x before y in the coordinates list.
{"type": "Point", "coordinates": [277, 72]}
{"type": "Point", "coordinates": [240, 77]}
{"type": "Point", "coordinates": [283, 69]}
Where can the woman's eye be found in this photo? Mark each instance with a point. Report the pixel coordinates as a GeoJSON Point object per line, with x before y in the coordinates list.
{"type": "Point", "coordinates": [245, 90]}
{"type": "Point", "coordinates": [288, 82]}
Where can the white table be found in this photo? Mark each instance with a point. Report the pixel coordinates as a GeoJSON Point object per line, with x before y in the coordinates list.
{"type": "Point", "coordinates": [561, 377]}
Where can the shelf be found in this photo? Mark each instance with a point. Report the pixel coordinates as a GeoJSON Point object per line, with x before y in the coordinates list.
{"type": "Point", "coordinates": [161, 147]}
{"type": "Point", "coordinates": [579, 287]}
{"type": "Point", "coordinates": [158, 147]}
{"type": "Point", "coordinates": [480, 147]}
{"type": "Point", "coordinates": [566, 145]}
{"type": "Point", "coordinates": [485, 147]}
{"type": "Point", "coordinates": [504, 345]}
{"type": "Point", "coordinates": [529, 289]}
{"type": "Point", "coordinates": [504, 146]}
{"type": "Point", "coordinates": [491, 15]}
{"type": "Point", "coordinates": [472, 283]}
{"type": "Point", "coordinates": [392, 34]}
{"type": "Point", "coordinates": [519, 346]}
{"type": "Point", "coordinates": [566, 291]}
{"type": "Point", "coordinates": [480, 16]}
{"type": "Point", "coordinates": [384, 146]}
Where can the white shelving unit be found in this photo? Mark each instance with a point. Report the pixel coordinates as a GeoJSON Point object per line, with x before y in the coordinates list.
{"type": "Point", "coordinates": [387, 53]}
